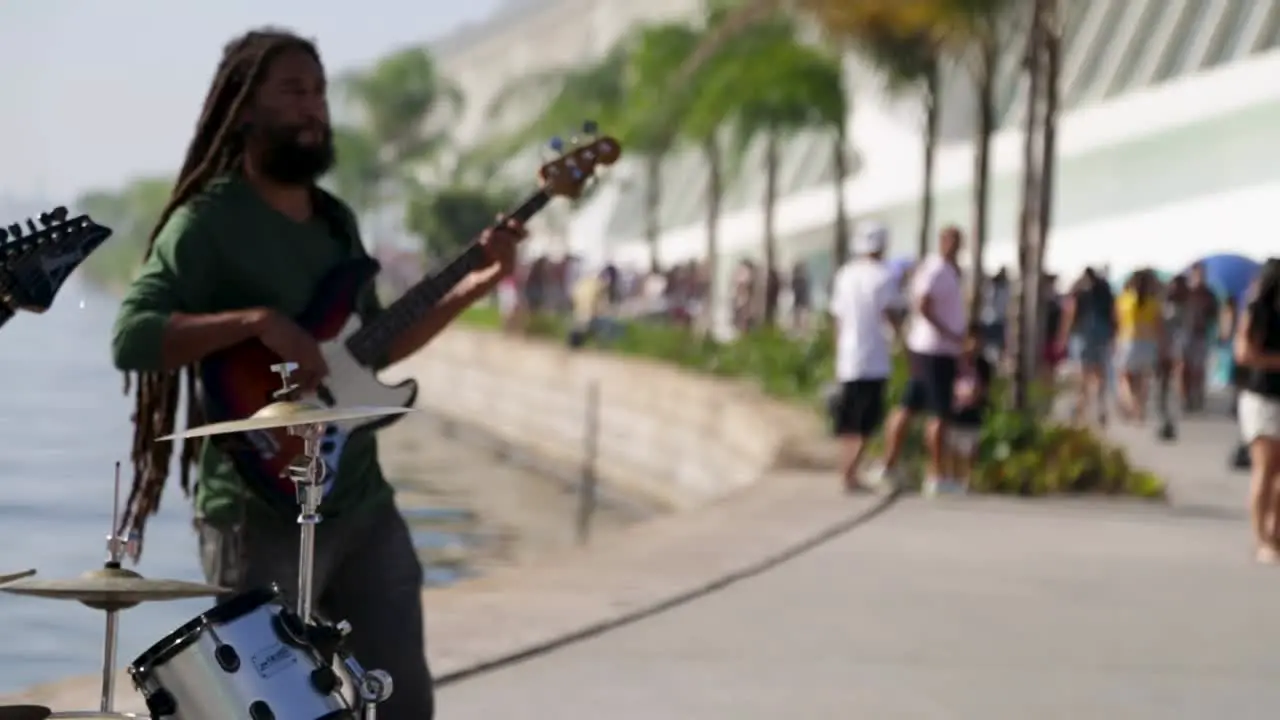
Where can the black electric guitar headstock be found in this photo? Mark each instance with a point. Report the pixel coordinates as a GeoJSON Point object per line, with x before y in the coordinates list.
{"type": "Point", "coordinates": [39, 254]}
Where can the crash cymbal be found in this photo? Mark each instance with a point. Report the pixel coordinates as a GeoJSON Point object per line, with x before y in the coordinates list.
{"type": "Point", "coordinates": [10, 578]}
{"type": "Point", "coordinates": [288, 414]}
{"type": "Point", "coordinates": [112, 589]}
{"type": "Point", "coordinates": [24, 712]}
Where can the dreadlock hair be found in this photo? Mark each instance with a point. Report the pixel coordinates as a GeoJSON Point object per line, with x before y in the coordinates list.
{"type": "Point", "coordinates": [216, 149]}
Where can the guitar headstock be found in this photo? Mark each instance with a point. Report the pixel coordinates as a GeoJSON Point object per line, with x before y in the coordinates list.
{"type": "Point", "coordinates": [577, 162]}
{"type": "Point", "coordinates": [36, 259]}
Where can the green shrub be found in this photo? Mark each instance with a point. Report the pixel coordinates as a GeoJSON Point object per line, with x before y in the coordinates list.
{"type": "Point", "coordinates": [1023, 454]}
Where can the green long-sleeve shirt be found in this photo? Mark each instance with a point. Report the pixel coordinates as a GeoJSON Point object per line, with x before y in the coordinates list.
{"type": "Point", "coordinates": [227, 249]}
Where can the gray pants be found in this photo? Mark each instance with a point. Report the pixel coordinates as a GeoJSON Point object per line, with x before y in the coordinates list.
{"type": "Point", "coordinates": [366, 572]}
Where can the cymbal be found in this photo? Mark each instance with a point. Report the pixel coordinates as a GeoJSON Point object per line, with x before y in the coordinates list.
{"type": "Point", "coordinates": [288, 414]}
{"type": "Point", "coordinates": [24, 712]}
{"type": "Point", "coordinates": [10, 578]}
{"type": "Point", "coordinates": [112, 589]}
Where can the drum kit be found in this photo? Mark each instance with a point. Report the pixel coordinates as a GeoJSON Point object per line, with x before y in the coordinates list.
{"type": "Point", "coordinates": [251, 657]}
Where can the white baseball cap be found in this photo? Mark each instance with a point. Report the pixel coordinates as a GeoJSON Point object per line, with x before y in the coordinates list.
{"type": "Point", "coordinates": [873, 239]}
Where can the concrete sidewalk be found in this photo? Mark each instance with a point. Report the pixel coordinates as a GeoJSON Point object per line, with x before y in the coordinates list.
{"type": "Point", "coordinates": [980, 608]}
{"type": "Point", "coordinates": [1196, 465]}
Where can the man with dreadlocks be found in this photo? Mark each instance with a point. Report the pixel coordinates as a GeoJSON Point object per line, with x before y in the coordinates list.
{"type": "Point", "coordinates": [238, 250]}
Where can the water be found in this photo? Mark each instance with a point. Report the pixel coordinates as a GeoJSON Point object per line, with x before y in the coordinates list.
{"type": "Point", "coordinates": [65, 423]}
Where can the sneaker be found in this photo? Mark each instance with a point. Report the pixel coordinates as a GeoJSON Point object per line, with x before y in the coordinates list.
{"type": "Point", "coordinates": [933, 486]}
{"type": "Point", "coordinates": [886, 480]}
{"type": "Point", "coordinates": [936, 486]}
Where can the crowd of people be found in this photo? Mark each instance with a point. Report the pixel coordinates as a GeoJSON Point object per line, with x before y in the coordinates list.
{"type": "Point", "coordinates": [1157, 332]}
{"type": "Point", "coordinates": [599, 300]}
{"type": "Point", "coordinates": [1149, 342]}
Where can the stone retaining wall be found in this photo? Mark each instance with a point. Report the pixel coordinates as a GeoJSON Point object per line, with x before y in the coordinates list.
{"type": "Point", "coordinates": [678, 438]}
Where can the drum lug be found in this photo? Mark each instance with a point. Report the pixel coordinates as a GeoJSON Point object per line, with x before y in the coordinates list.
{"type": "Point", "coordinates": [161, 704]}
{"type": "Point", "coordinates": [259, 710]}
{"type": "Point", "coordinates": [325, 680]}
{"type": "Point", "coordinates": [227, 657]}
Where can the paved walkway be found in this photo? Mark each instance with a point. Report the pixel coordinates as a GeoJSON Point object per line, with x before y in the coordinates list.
{"type": "Point", "coordinates": [983, 609]}
{"type": "Point", "coordinates": [978, 608]}
{"type": "Point", "coordinates": [1196, 464]}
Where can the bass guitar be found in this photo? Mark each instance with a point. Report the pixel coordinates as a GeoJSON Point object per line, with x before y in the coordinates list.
{"type": "Point", "coordinates": [36, 259]}
{"type": "Point", "coordinates": [238, 381]}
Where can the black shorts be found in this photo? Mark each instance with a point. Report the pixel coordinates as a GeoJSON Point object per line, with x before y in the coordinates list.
{"type": "Point", "coordinates": [931, 385]}
{"type": "Point", "coordinates": [860, 408]}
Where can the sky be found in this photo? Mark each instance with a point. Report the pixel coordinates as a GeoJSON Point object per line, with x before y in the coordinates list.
{"type": "Point", "coordinates": [95, 92]}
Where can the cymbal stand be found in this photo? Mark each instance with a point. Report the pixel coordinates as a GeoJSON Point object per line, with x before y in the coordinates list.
{"type": "Point", "coordinates": [308, 477]}
{"type": "Point", "coordinates": [372, 686]}
{"type": "Point", "coordinates": [116, 546]}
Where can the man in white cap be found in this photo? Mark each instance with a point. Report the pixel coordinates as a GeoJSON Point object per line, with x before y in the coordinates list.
{"type": "Point", "coordinates": [865, 306]}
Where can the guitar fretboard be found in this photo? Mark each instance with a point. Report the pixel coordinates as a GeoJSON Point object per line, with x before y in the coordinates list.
{"type": "Point", "coordinates": [371, 341]}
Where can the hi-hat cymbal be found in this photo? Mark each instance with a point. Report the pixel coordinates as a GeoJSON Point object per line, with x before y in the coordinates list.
{"type": "Point", "coordinates": [288, 414]}
{"type": "Point", "coordinates": [10, 578]}
{"type": "Point", "coordinates": [24, 712]}
{"type": "Point", "coordinates": [112, 589]}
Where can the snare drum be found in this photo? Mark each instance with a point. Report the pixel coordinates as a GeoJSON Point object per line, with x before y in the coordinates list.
{"type": "Point", "coordinates": [246, 658]}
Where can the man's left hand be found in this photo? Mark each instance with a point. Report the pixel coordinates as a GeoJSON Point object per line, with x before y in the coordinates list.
{"type": "Point", "coordinates": [499, 243]}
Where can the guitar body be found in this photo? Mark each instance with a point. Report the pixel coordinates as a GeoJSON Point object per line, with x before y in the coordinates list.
{"type": "Point", "coordinates": [239, 381]}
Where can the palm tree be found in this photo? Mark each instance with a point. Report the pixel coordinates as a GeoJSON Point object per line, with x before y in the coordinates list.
{"type": "Point", "coordinates": [359, 171]}
{"type": "Point", "coordinates": [1042, 67]}
{"type": "Point", "coordinates": [624, 91]}
{"type": "Point", "coordinates": [445, 219]}
{"type": "Point", "coordinates": [911, 61]}
{"type": "Point", "coordinates": [405, 106]}
{"type": "Point", "coordinates": [972, 32]}
{"type": "Point", "coordinates": [782, 86]}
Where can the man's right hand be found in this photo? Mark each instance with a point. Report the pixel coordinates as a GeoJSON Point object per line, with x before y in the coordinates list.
{"type": "Point", "coordinates": [291, 343]}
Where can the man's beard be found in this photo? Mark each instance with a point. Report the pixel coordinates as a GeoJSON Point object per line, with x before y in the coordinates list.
{"type": "Point", "coordinates": [290, 162]}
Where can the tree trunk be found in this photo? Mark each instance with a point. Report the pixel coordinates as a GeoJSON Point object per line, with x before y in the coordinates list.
{"type": "Point", "coordinates": [1051, 39]}
{"type": "Point", "coordinates": [1023, 307]}
{"type": "Point", "coordinates": [840, 238]}
{"type": "Point", "coordinates": [652, 205]}
{"type": "Point", "coordinates": [769, 288]}
{"type": "Point", "coordinates": [931, 117]}
{"type": "Point", "coordinates": [715, 190]}
{"type": "Point", "coordinates": [981, 174]}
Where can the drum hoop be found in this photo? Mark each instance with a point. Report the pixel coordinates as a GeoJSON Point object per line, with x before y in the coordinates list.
{"type": "Point", "coordinates": [175, 642]}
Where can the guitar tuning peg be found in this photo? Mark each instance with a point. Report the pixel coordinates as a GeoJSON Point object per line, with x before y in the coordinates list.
{"type": "Point", "coordinates": [31, 226]}
{"type": "Point", "coordinates": [46, 220]}
{"type": "Point", "coordinates": [590, 127]}
{"type": "Point", "coordinates": [4, 236]}
{"type": "Point", "coordinates": [557, 144]}
{"type": "Point", "coordinates": [60, 214]}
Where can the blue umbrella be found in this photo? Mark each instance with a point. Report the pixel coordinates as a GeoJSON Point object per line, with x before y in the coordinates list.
{"type": "Point", "coordinates": [1230, 275]}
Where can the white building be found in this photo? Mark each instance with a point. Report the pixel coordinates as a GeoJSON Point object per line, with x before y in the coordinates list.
{"type": "Point", "coordinates": [1168, 142]}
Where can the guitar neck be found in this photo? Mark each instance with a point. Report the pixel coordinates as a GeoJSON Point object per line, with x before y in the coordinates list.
{"type": "Point", "coordinates": [372, 341]}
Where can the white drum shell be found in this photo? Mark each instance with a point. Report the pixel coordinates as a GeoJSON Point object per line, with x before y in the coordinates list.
{"type": "Point", "coordinates": [271, 671]}
{"type": "Point", "coordinates": [86, 715]}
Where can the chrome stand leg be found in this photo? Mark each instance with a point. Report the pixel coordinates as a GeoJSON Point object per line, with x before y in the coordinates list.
{"type": "Point", "coordinates": [109, 663]}
{"type": "Point", "coordinates": [309, 480]}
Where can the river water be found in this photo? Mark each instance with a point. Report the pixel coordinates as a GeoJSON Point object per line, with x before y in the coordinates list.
{"type": "Point", "coordinates": [64, 423]}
